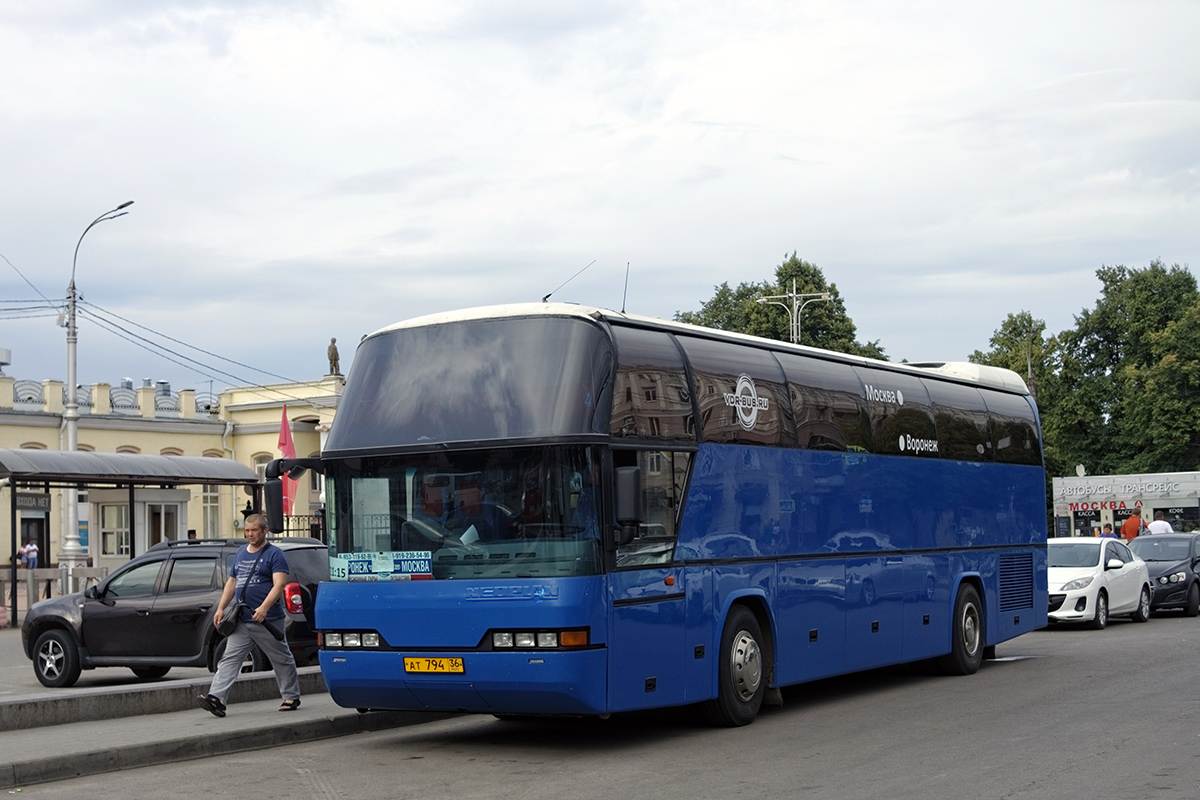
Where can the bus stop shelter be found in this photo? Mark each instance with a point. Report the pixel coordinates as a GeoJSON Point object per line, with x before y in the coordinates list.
{"type": "Point", "coordinates": [59, 469]}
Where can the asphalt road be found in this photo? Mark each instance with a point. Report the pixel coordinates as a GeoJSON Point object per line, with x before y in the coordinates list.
{"type": "Point", "coordinates": [1065, 713]}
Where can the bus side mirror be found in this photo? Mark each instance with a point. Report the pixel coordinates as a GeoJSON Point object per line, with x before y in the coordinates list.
{"type": "Point", "coordinates": [274, 503]}
{"type": "Point", "coordinates": [293, 468]}
{"type": "Point", "coordinates": [629, 503]}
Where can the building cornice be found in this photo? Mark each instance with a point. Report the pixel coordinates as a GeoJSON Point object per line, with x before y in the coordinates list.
{"type": "Point", "coordinates": [324, 401]}
{"type": "Point", "coordinates": [115, 423]}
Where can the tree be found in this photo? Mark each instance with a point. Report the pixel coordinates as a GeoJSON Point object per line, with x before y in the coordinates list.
{"type": "Point", "coordinates": [823, 324]}
{"type": "Point", "coordinates": [1019, 345]}
{"type": "Point", "coordinates": [1162, 408]}
{"type": "Point", "coordinates": [1119, 392]}
{"type": "Point", "coordinates": [1101, 415]}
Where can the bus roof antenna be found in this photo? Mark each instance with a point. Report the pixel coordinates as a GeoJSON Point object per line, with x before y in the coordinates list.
{"type": "Point", "coordinates": [568, 280]}
{"type": "Point", "coordinates": [625, 296]}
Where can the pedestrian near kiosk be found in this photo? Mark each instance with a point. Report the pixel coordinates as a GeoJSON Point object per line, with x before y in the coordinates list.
{"type": "Point", "coordinates": [1107, 532]}
{"type": "Point", "coordinates": [257, 577]}
{"type": "Point", "coordinates": [1131, 527]}
{"type": "Point", "coordinates": [1160, 524]}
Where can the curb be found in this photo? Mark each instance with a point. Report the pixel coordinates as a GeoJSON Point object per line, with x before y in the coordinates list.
{"type": "Point", "coordinates": [66, 706]}
{"type": "Point", "coordinates": [111, 759]}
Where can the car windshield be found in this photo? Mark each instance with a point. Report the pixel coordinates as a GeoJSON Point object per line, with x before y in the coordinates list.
{"type": "Point", "coordinates": [1074, 554]}
{"type": "Point", "coordinates": [497, 513]}
{"type": "Point", "coordinates": [1149, 548]}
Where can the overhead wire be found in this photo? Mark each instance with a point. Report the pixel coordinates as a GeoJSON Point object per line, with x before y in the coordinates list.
{"type": "Point", "coordinates": [31, 286]}
{"type": "Point", "coordinates": [185, 344]}
{"type": "Point", "coordinates": [194, 365]}
{"type": "Point", "coordinates": [36, 311]}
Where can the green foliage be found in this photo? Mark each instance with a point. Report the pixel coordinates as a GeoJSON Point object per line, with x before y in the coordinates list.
{"type": "Point", "coordinates": [823, 324]}
{"type": "Point", "coordinates": [1119, 392]}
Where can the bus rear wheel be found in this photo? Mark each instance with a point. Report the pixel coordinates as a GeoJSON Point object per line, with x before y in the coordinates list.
{"type": "Point", "coordinates": [740, 672]}
{"type": "Point", "coordinates": [966, 647]}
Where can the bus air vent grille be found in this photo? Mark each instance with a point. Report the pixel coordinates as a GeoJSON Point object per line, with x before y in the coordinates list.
{"type": "Point", "coordinates": [1016, 581]}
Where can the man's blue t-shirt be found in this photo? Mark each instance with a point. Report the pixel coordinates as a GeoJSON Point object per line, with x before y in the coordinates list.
{"type": "Point", "coordinates": [260, 583]}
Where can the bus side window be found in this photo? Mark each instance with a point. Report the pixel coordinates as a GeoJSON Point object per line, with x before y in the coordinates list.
{"type": "Point", "coordinates": [664, 478]}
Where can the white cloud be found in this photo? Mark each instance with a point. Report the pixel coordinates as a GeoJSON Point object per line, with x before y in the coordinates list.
{"type": "Point", "coordinates": [322, 169]}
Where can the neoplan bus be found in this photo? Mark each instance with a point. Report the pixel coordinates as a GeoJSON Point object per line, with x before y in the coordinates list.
{"type": "Point", "coordinates": [552, 509]}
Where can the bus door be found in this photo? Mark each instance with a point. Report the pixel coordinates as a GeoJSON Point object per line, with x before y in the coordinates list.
{"type": "Point", "coordinates": [646, 641]}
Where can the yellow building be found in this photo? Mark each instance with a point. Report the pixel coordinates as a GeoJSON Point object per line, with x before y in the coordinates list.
{"type": "Point", "coordinates": [242, 424]}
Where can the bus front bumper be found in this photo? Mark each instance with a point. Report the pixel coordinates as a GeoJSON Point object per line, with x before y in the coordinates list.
{"type": "Point", "coordinates": [550, 682]}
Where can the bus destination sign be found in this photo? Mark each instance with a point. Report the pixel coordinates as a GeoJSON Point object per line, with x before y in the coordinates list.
{"type": "Point", "coordinates": [407, 565]}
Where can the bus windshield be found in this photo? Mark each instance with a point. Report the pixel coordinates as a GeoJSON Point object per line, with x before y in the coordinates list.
{"type": "Point", "coordinates": [497, 513]}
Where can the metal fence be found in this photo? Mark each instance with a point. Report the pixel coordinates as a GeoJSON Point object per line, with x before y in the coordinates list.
{"type": "Point", "coordinates": [305, 525]}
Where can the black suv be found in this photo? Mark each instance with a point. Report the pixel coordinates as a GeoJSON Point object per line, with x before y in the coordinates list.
{"type": "Point", "coordinates": [156, 612]}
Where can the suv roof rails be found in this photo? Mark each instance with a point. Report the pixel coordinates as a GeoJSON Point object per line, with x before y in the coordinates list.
{"type": "Point", "coordinates": [168, 543]}
{"type": "Point", "coordinates": [186, 542]}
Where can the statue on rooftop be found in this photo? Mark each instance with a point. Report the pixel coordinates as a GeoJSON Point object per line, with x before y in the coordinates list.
{"type": "Point", "coordinates": [333, 358]}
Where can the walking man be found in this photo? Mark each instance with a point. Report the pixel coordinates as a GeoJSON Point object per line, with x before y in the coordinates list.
{"type": "Point", "coordinates": [257, 577]}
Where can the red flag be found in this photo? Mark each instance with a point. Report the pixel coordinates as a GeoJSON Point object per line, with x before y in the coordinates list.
{"type": "Point", "coordinates": [287, 449]}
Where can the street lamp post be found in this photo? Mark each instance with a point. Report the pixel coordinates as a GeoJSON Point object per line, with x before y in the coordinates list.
{"type": "Point", "coordinates": [70, 553]}
{"type": "Point", "coordinates": [798, 302]}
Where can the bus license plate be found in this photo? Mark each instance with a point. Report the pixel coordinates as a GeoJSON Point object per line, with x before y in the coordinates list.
{"type": "Point", "coordinates": [433, 665]}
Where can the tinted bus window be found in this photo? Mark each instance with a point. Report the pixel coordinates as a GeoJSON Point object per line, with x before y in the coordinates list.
{"type": "Point", "coordinates": [664, 478]}
{"type": "Point", "coordinates": [961, 418]}
{"type": "Point", "coordinates": [828, 406]}
{"type": "Point", "coordinates": [1014, 433]}
{"type": "Point", "coordinates": [650, 398]}
{"type": "Point", "coordinates": [740, 393]}
{"type": "Point", "coordinates": [901, 416]}
{"type": "Point", "coordinates": [473, 381]}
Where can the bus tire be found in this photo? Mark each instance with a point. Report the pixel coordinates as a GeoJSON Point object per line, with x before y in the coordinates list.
{"type": "Point", "coordinates": [966, 644]}
{"type": "Point", "coordinates": [741, 673]}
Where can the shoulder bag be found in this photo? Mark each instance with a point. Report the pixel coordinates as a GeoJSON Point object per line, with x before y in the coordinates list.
{"type": "Point", "coordinates": [233, 611]}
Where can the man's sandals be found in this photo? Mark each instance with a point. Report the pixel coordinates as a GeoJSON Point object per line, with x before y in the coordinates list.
{"type": "Point", "coordinates": [290, 705]}
{"type": "Point", "coordinates": [212, 704]}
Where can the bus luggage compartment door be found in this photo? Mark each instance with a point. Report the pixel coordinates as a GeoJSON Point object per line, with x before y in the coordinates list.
{"type": "Point", "coordinates": [646, 658]}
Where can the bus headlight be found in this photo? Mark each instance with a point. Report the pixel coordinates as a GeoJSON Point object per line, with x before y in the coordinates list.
{"type": "Point", "coordinates": [345, 639]}
{"type": "Point", "coordinates": [540, 640]}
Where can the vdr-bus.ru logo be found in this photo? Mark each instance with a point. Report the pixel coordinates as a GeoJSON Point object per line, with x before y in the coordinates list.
{"type": "Point", "coordinates": [745, 399]}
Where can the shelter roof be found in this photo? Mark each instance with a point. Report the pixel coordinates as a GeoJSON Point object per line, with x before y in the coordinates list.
{"type": "Point", "coordinates": [78, 468]}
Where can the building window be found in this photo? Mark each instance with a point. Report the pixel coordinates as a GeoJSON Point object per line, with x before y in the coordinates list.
{"type": "Point", "coordinates": [114, 530]}
{"type": "Point", "coordinates": [211, 501]}
{"type": "Point", "coordinates": [260, 466]}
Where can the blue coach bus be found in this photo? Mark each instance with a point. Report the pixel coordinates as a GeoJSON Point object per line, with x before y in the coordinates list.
{"type": "Point", "coordinates": [553, 509]}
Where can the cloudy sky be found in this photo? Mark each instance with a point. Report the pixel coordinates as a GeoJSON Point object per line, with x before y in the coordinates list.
{"type": "Point", "coordinates": [304, 169]}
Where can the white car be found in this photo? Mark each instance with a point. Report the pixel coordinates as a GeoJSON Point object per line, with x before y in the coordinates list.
{"type": "Point", "coordinates": [1091, 579]}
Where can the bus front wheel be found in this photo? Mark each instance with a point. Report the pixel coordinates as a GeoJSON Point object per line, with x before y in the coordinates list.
{"type": "Point", "coordinates": [966, 648]}
{"type": "Point", "coordinates": [740, 672]}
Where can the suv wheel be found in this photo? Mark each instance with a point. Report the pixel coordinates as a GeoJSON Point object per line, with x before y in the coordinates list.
{"type": "Point", "coordinates": [56, 659]}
